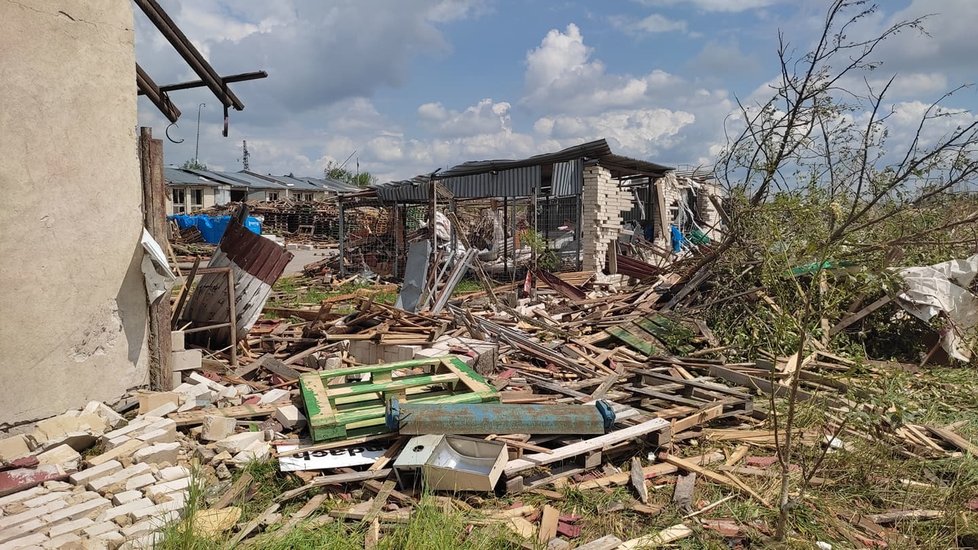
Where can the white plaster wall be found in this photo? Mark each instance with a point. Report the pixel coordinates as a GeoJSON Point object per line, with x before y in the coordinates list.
{"type": "Point", "coordinates": [73, 323]}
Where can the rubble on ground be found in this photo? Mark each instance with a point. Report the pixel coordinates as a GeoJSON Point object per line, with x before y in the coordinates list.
{"type": "Point", "coordinates": [321, 392]}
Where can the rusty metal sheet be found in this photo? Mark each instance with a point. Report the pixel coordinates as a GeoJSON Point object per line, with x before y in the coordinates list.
{"type": "Point", "coordinates": [256, 263]}
{"type": "Point", "coordinates": [638, 269]}
{"type": "Point", "coordinates": [568, 290]}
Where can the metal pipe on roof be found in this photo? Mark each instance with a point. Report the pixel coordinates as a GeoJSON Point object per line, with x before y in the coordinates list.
{"type": "Point", "coordinates": [149, 88]}
{"type": "Point", "coordinates": [190, 54]}
{"type": "Point", "coordinates": [240, 77]}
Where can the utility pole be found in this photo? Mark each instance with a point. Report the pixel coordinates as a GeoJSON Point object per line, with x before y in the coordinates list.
{"type": "Point", "coordinates": [197, 146]}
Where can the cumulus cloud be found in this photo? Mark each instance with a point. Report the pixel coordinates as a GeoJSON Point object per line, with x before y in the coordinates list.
{"type": "Point", "coordinates": [560, 75]}
{"type": "Point", "coordinates": [487, 116]}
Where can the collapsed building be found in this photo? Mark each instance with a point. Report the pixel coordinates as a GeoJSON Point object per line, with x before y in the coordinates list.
{"type": "Point", "coordinates": [572, 207]}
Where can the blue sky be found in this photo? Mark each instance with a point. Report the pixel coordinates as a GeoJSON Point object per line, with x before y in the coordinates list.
{"type": "Point", "coordinates": [414, 85]}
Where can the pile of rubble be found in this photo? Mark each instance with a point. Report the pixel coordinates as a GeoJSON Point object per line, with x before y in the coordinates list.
{"type": "Point", "coordinates": [573, 380]}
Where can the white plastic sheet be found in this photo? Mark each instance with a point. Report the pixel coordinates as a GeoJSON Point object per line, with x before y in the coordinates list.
{"type": "Point", "coordinates": [943, 288]}
{"type": "Point", "coordinates": [156, 269]}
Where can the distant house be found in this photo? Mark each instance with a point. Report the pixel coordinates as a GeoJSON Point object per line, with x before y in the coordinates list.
{"type": "Point", "coordinates": [252, 187]}
{"type": "Point", "coordinates": [189, 191]}
{"type": "Point", "coordinates": [298, 189]}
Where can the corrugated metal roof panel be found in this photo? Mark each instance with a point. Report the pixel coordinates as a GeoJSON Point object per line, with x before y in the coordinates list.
{"type": "Point", "coordinates": [567, 178]}
{"type": "Point", "coordinates": [179, 176]}
{"type": "Point", "coordinates": [516, 182]}
{"type": "Point", "coordinates": [590, 150]}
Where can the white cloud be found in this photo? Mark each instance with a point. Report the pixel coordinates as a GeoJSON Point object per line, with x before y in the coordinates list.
{"type": "Point", "coordinates": [714, 5]}
{"type": "Point", "coordinates": [561, 76]}
{"type": "Point", "coordinates": [484, 117]}
{"type": "Point", "coordinates": [651, 24]}
{"type": "Point", "coordinates": [632, 132]}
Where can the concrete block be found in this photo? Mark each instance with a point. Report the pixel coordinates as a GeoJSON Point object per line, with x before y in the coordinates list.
{"type": "Point", "coordinates": [34, 540]}
{"type": "Point", "coordinates": [167, 487]}
{"type": "Point", "coordinates": [126, 496]}
{"type": "Point", "coordinates": [139, 423]}
{"type": "Point", "coordinates": [158, 453]}
{"type": "Point", "coordinates": [63, 540]}
{"type": "Point", "coordinates": [124, 509]}
{"type": "Point", "coordinates": [15, 446]}
{"type": "Point", "coordinates": [99, 528]}
{"type": "Point", "coordinates": [274, 395]}
{"type": "Point", "coordinates": [159, 435]}
{"type": "Point", "coordinates": [140, 481]}
{"type": "Point", "coordinates": [81, 432]}
{"type": "Point", "coordinates": [201, 379]}
{"type": "Point", "coordinates": [290, 417]}
{"type": "Point", "coordinates": [217, 427]}
{"type": "Point", "coordinates": [70, 527]}
{"type": "Point", "coordinates": [177, 340]}
{"type": "Point", "coordinates": [119, 478]}
{"type": "Point", "coordinates": [149, 400]}
{"type": "Point", "coordinates": [22, 530]}
{"type": "Point", "coordinates": [85, 509]}
{"type": "Point", "coordinates": [44, 499]}
{"type": "Point", "coordinates": [23, 495]}
{"type": "Point", "coordinates": [68, 458]}
{"type": "Point", "coordinates": [39, 512]}
{"type": "Point", "coordinates": [112, 419]}
{"type": "Point", "coordinates": [173, 473]}
{"type": "Point", "coordinates": [145, 541]}
{"type": "Point", "coordinates": [109, 539]}
{"type": "Point", "coordinates": [142, 527]}
{"type": "Point", "coordinates": [125, 450]}
{"type": "Point", "coordinates": [165, 408]}
{"type": "Point", "coordinates": [179, 496]}
{"type": "Point", "coordinates": [166, 510]}
{"type": "Point", "coordinates": [238, 442]}
{"type": "Point", "coordinates": [186, 360]}
{"type": "Point", "coordinates": [259, 450]}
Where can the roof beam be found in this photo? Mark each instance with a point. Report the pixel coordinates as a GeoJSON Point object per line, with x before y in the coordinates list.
{"type": "Point", "coordinates": [242, 77]}
{"type": "Point", "coordinates": [190, 54]}
{"type": "Point", "coordinates": [147, 87]}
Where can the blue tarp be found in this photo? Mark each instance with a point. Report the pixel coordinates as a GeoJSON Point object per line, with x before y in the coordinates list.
{"type": "Point", "coordinates": [213, 227]}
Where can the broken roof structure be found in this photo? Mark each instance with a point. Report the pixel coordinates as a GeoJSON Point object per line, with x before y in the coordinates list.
{"type": "Point", "coordinates": [560, 172]}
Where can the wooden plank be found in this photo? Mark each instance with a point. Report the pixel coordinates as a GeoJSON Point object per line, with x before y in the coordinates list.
{"type": "Point", "coordinates": [954, 439]}
{"type": "Point", "coordinates": [900, 515]}
{"type": "Point", "coordinates": [307, 509]}
{"type": "Point", "coordinates": [379, 501]}
{"type": "Point", "coordinates": [376, 486]}
{"type": "Point", "coordinates": [234, 491]}
{"type": "Point", "coordinates": [190, 418]}
{"type": "Point", "coordinates": [711, 475]}
{"type": "Point", "coordinates": [594, 444]}
{"type": "Point", "coordinates": [859, 315]}
{"type": "Point", "coordinates": [253, 524]}
{"type": "Point", "coordinates": [548, 524]}
{"type": "Point", "coordinates": [607, 542]}
{"type": "Point", "coordinates": [667, 535]}
{"type": "Point", "coordinates": [335, 479]}
{"type": "Point", "coordinates": [154, 220]}
{"type": "Point", "coordinates": [696, 419]}
{"type": "Point", "coordinates": [637, 478]}
{"type": "Point", "coordinates": [648, 472]}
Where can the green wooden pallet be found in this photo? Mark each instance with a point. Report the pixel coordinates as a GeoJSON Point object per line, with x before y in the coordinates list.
{"type": "Point", "coordinates": [344, 410]}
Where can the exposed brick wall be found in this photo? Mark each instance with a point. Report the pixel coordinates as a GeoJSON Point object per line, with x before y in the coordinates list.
{"type": "Point", "coordinates": [603, 204]}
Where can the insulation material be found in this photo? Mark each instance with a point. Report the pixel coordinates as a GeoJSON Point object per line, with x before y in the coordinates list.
{"type": "Point", "coordinates": [155, 268]}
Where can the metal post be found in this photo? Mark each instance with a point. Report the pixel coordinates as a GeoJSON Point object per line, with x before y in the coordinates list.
{"type": "Point", "coordinates": [342, 239]}
{"type": "Point", "coordinates": [232, 319]}
{"type": "Point", "coordinates": [197, 145]}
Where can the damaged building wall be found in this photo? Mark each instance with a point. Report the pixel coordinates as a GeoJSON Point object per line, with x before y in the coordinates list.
{"type": "Point", "coordinates": [74, 307]}
{"type": "Point", "coordinates": [603, 203]}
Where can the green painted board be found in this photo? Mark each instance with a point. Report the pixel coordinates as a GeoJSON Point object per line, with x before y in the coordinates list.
{"type": "Point", "coordinates": [357, 408]}
{"type": "Point", "coordinates": [631, 340]}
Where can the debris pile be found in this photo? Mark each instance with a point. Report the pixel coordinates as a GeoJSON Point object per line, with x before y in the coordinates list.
{"type": "Point", "coordinates": [563, 382]}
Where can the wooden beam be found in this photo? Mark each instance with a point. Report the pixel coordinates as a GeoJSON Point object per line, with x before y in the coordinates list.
{"type": "Point", "coordinates": [154, 220]}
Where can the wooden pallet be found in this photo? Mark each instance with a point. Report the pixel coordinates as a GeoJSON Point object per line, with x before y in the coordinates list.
{"type": "Point", "coordinates": [342, 410]}
{"type": "Point", "coordinates": [653, 335]}
{"type": "Point", "coordinates": [661, 390]}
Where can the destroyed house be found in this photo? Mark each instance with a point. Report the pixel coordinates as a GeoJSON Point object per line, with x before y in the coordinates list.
{"type": "Point", "coordinates": [570, 206]}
